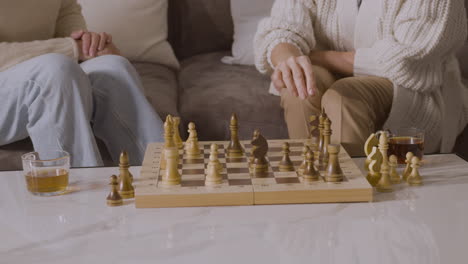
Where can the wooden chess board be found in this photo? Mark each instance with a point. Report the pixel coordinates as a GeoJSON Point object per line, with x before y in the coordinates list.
{"type": "Point", "coordinates": [239, 187]}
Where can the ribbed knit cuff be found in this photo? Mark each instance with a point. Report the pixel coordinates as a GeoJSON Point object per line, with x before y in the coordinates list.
{"type": "Point", "coordinates": [365, 63]}
{"type": "Point", "coordinates": [76, 52]}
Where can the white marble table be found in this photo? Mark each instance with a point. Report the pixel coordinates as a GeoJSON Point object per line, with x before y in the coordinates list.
{"type": "Point", "coordinates": [427, 224]}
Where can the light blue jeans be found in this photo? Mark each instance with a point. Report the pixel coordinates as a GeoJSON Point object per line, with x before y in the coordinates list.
{"type": "Point", "coordinates": [60, 103]}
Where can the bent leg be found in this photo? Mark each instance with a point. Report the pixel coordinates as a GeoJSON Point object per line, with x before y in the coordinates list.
{"type": "Point", "coordinates": [297, 111]}
{"type": "Point", "coordinates": [357, 107]}
{"type": "Point", "coordinates": [123, 118]}
{"type": "Point", "coordinates": [49, 98]}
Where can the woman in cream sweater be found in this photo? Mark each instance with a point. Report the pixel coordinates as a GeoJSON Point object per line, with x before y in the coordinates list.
{"type": "Point", "coordinates": [371, 64]}
{"type": "Point", "coordinates": [47, 95]}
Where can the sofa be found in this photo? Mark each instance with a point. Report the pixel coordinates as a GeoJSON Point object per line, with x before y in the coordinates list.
{"type": "Point", "coordinates": [204, 90]}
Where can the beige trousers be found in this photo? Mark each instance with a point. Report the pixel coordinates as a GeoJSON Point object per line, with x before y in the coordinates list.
{"type": "Point", "coordinates": [357, 107]}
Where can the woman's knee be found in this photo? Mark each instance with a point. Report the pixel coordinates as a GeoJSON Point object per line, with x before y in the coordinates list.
{"type": "Point", "coordinates": [110, 63]}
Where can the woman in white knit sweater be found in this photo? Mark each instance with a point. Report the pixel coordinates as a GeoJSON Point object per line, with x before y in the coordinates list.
{"type": "Point", "coordinates": [371, 64]}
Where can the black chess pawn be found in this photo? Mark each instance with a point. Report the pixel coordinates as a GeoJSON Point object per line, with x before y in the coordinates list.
{"type": "Point", "coordinates": [286, 164]}
{"type": "Point", "coordinates": [310, 173]}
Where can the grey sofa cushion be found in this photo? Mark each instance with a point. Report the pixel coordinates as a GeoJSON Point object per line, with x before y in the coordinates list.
{"type": "Point", "coordinates": [160, 84]}
{"type": "Point", "coordinates": [200, 26]}
{"type": "Point", "coordinates": [210, 91]}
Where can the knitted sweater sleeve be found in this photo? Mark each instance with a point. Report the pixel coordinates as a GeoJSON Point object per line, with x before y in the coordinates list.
{"type": "Point", "coordinates": [69, 19]}
{"type": "Point", "coordinates": [290, 22]}
{"type": "Point", "coordinates": [417, 36]}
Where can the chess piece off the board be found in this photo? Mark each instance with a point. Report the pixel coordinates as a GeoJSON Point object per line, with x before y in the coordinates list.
{"type": "Point", "coordinates": [234, 149]}
{"type": "Point", "coordinates": [333, 172]}
{"type": "Point", "coordinates": [177, 140]}
{"type": "Point", "coordinates": [286, 164]}
{"type": "Point", "coordinates": [192, 149]}
{"type": "Point", "coordinates": [408, 169]}
{"type": "Point", "coordinates": [310, 174]}
{"type": "Point", "coordinates": [114, 198]}
{"type": "Point", "coordinates": [394, 176]}
{"type": "Point", "coordinates": [260, 163]}
{"type": "Point", "coordinates": [303, 165]}
{"type": "Point", "coordinates": [373, 176]}
{"type": "Point", "coordinates": [126, 187]}
{"type": "Point", "coordinates": [414, 179]}
{"type": "Point", "coordinates": [371, 142]}
{"type": "Point", "coordinates": [213, 173]}
{"type": "Point", "coordinates": [124, 165]}
{"type": "Point", "coordinates": [384, 184]}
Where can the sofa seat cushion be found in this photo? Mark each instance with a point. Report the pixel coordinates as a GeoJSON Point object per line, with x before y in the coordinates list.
{"type": "Point", "coordinates": [160, 84]}
{"type": "Point", "coordinates": [210, 91]}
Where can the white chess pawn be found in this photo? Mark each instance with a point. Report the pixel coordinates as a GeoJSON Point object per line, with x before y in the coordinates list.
{"type": "Point", "coordinates": [191, 146]}
{"type": "Point", "coordinates": [213, 172]}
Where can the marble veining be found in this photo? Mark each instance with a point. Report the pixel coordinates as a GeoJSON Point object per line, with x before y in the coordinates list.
{"type": "Point", "coordinates": [425, 224]}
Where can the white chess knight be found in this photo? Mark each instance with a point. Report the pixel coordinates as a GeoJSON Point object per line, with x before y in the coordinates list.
{"type": "Point", "coordinates": [213, 172]}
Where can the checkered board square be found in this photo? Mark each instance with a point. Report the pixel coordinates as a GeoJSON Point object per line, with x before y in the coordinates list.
{"type": "Point", "coordinates": [239, 187]}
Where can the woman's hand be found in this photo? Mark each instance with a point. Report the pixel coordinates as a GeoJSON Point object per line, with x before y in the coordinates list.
{"type": "Point", "coordinates": [293, 71]}
{"type": "Point", "coordinates": [90, 42]}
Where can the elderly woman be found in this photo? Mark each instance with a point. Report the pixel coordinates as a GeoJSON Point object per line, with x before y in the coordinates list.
{"type": "Point", "coordinates": [47, 95]}
{"type": "Point", "coordinates": [371, 64]}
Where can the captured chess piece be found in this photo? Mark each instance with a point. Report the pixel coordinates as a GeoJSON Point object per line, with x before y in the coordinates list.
{"type": "Point", "coordinates": [234, 149]}
{"type": "Point", "coordinates": [384, 184]}
{"type": "Point", "coordinates": [260, 164]}
{"type": "Point", "coordinates": [114, 198]}
{"type": "Point", "coordinates": [303, 165]}
{"type": "Point", "coordinates": [414, 179]}
{"type": "Point", "coordinates": [126, 187]}
{"type": "Point", "coordinates": [371, 142]}
{"type": "Point", "coordinates": [177, 140]}
{"type": "Point", "coordinates": [310, 174]}
{"type": "Point", "coordinates": [333, 172]}
{"type": "Point", "coordinates": [124, 165]}
{"type": "Point", "coordinates": [327, 132]}
{"type": "Point", "coordinates": [192, 148]}
{"type": "Point", "coordinates": [373, 176]}
{"type": "Point", "coordinates": [286, 164]}
{"type": "Point", "coordinates": [213, 173]}
{"type": "Point", "coordinates": [394, 176]}
{"type": "Point", "coordinates": [407, 171]}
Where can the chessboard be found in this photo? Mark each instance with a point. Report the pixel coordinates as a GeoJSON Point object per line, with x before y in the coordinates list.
{"type": "Point", "coordinates": [239, 187]}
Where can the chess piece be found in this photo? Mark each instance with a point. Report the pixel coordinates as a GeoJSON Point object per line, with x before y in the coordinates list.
{"type": "Point", "coordinates": [326, 141]}
{"type": "Point", "coordinates": [286, 163]}
{"type": "Point", "coordinates": [234, 149]}
{"type": "Point", "coordinates": [394, 176]}
{"type": "Point", "coordinates": [124, 165]}
{"type": "Point", "coordinates": [191, 147]}
{"type": "Point", "coordinates": [114, 198]}
{"type": "Point", "coordinates": [252, 157]}
{"type": "Point", "coordinates": [414, 179]}
{"type": "Point", "coordinates": [383, 147]}
{"type": "Point", "coordinates": [310, 173]}
{"type": "Point", "coordinates": [303, 165]}
{"type": "Point", "coordinates": [333, 172]}
{"type": "Point", "coordinates": [126, 187]}
{"type": "Point", "coordinates": [177, 140]}
{"type": "Point", "coordinates": [260, 164]}
{"type": "Point", "coordinates": [407, 171]}
{"type": "Point", "coordinates": [171, 176]}
{"type": "Point", "coordinates": [322, 118]}
{"type": "Point", "coordinates": [384, 184]}
{"type": "Point", "coordinates": [313, 127]}
{"type": "Point", "coordinates": [371, 142]}
{"type": "Point", "coordinates": [168, 138]}
{"type": "Point", "coordinates": [213, 174]}
{"type": "Point", "coordinates": [373, 175]}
